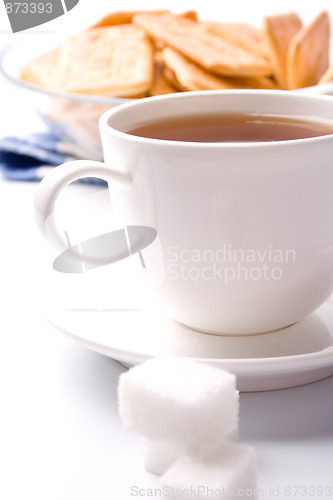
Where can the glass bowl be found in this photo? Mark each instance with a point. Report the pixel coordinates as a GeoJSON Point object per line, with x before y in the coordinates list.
{"type": "Point", "coordinates": [73, 117]}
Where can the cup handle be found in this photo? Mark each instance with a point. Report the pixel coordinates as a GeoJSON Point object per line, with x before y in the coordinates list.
{"type": "Point", "coordinates": [54, 182]}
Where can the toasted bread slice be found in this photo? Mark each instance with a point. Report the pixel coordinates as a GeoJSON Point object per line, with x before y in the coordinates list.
{"type": "Point", "coordinates": [208, 50]}
{"type": "Point", "coordinates": [279, 31]}
{"type": "Point", "coordinates": [110, 61]}
{"type": "Point", "coordinates": [308, 53]}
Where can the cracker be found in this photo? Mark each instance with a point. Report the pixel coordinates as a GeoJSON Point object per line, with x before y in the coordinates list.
{"type": "Point", "coordinates": [42, 70]}
{"type": "Point", "coordinates": [161, 84]}
{"type": "Point", "coordinates": [242, 34]}
{"type": "Point", "coordinates": [190, 14]}
{"type": "Point", "coordinates": [208, 50]}
{"type": "Point", "coordinates": [279, 31]}
{"type": "Point", "coordinates": [186, 75]}
{"type": "Point", "coordinates": [126, 16]}
{"type": "Point", "coordinates": [308, 53]}
{"type": "Point", "coordinates": [327, 76]}
{"type": "Point", "coordinates": [110, 61]}
{"type": "Point", "coordinates": [122, 17]}
{"type": "Point", "coordinates": [259, 82]}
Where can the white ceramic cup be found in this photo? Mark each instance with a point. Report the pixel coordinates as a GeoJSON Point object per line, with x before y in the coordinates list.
{"type": "Point", "coordinates": [245, 230]}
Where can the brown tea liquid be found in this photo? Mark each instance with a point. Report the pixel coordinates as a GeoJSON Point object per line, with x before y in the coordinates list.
{"type": "Point", "coordinates": [231, 128]}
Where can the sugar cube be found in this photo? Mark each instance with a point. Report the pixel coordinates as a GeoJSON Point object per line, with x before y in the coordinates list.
{"type": "Point", "coordinates": [227, 471]}
{"type": "Point", "coordinates": [160, 455]}
{"type": "Point", "coordinates": [179, 400]}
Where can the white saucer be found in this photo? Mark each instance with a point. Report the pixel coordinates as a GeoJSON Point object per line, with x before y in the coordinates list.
{"type": "Point", "coordinates": [131, 332]}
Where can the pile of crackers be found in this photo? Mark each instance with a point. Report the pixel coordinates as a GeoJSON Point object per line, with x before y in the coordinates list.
{"type": "Point", "coordinates": [145, 53]}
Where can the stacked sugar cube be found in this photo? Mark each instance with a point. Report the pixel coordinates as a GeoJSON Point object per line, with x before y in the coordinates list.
{"type": "Point", "coordinates": [188, 415]}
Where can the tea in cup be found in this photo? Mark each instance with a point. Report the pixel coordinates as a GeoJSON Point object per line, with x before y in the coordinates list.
{"type": "Point", "coordinates": [237, 187]}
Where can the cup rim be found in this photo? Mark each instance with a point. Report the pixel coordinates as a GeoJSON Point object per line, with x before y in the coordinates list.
{"type": "Point", "coordinates": [105, 127]}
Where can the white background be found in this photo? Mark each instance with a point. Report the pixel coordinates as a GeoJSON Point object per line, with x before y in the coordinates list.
{"type": "Point", "coordinates": [60, 434]}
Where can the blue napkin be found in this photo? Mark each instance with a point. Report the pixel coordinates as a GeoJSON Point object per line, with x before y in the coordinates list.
{"type": "Point", "coordinates": [31, 157]}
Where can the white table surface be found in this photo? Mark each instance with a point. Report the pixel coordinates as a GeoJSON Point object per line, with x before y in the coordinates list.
{"type": "Point", "coordinates": [60, 433]}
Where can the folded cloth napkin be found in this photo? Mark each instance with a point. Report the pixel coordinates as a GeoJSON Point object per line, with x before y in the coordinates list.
{"type": "Point", "coordinates": [29, 158]}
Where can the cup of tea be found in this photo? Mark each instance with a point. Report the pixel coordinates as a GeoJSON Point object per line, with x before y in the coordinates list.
{"type": "Point", "coordinates": [236, 188]}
